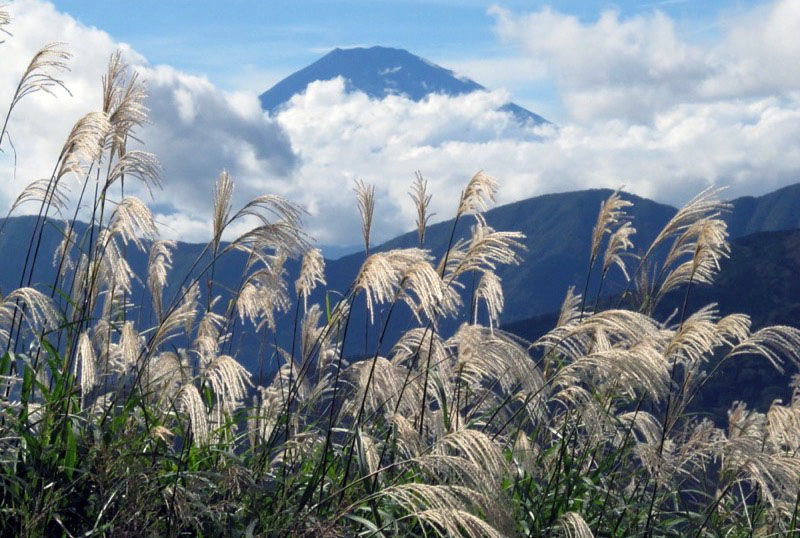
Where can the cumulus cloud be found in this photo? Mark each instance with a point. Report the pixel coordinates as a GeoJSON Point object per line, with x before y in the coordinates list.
{"type": "Point", "coordinates": [341, 137]}
{"type": "Point", "coordinates": [635, 68]}
{"type": "Point", "coordinates": [645, 107]}
{"type": "Point", "coordinates": [196, 129]}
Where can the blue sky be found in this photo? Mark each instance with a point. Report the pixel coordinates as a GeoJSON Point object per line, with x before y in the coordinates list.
{"type": "Point", "coordinates": [666, 98]}
{"type": "Point", "coordinates": [248, 45]}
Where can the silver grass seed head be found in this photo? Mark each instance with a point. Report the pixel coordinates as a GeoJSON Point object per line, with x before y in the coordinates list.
{"type": "Point", "coordinates": [112, 80]}
{"type": "Point", "coordinates": [490, 291]}
{"type": "Point", "coordinates": [612, 211]}
{"type": "Point", "coordinates": [130, 219]}
{"type": "Point", "coordinates": [478, 449]}
{"type": "Point", "coordinates": [733, 328]}
{"type": "Point", "coordinates": [697, 334]}
{"type": "Point", "coordinates": [422, 289]}
{"type": "Point", "coordinates": [223, 199]}
{"type": "Point", "coordinates": [266, 410]}
{"type": "Point", "coordinates": [574, 526]}
{"type": "Point", "coordinates": [229, 381]}
{"type": "Point", "coordinates": [478, 194]}
{"type": "Point", "coordinates": [705, 204]}
{"type": "Point", "coordinates": [168, 327]}
{"type": "Point", "coordinates": [618, 243]}
{"type": "Point", "coordinates": [84, 144]}
{"type": "Point", "coordinates": [101, 338]}
{"type": "Point", "coordinates": [640, 369]}
{"type": "Point", "coordinates": [42, 70]}
{"type": "Point", "coordinates": [113, 270]}
{"type": "Point", "coordinates": [419, 342]}
{"type": "Point", "coordinates": [486, 250]}
{"type": "Point", "coordinates": [570, 312]}
{"type": "Point", "coordinates": [139, 165]}
{"type": "Point", "coordinates": [189, 301]}
{"type": "Point", "coordinates": [408, 440]}
{"type": "Point", "coordinates": [208, 338]}
{"type": "Point", "coordinates": [85, 356]}
{"type": "Point", "coordinates": [449, 509]}
{"type": "Point", "coordinates": [261, 296]}
{"type": "Point", "coordinates": [280, 236]}
{"type": "Point", "coordinates": [776, 344]}
{"type": "Point", "coordinates": [312, 272]}
{"type": "Point", "coordinates": [190, 402]}
{"type": "Point", "coordinates": [79, 276]}
{"type": "Point", "coordinates": [123, 102]}
{"type": "Point", "coordinates": [783, 427]}
{"type": "Point", "coordinates": [62, 254]}
{"type": "Point", "coordinates": [130, 345]}
{"type": "Point", "coordinates": [166, 373]}
{"type": "Point", "coordinates": [379, 390]}
{"type": "Point", "coordinates": [50, 193]}
{"type": "Point", "coordinates": [365, 199]}
{"type": "Point", "coordinates": [469, 344]}
{"type": "Point", "coordinates": [381, 275]}
{"type": "Point", "coordinates": [279, 229]}
{"type": "Point", "coordinates": [705, 242]}
{"type": "Point", "coordinates": [419, 194]}
{"type": "Point", "coordinates": [272, 208]}
{"type": "Point", "coordinates": [524, 454]}
{"type": "Point", "coordinates": [311, 332]}
{"type": "Point", "coordinates": [159, 262]}
{"type": "Point", "coordinates": [368, 452]}
{"type": "Point", "coordinates": [645, 424]}
{"type": "Point", "coordinates": [39, 314]}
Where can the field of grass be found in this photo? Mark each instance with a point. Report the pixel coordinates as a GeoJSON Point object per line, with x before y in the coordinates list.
{"type": "Point", "coordinates": [113, 426]}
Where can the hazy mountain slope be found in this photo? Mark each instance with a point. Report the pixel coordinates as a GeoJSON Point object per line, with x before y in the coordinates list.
{"type": "Point", "coordinates": [778, 210]}
{"type": "Point", "coordinates": [378, 72]}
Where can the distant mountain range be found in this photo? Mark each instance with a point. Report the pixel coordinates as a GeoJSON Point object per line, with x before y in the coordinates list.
{"type": "Point", "coordinates": [378, 72]}
{"type": "Point", "coordinates": [761, 277]}
{"type": "Point", "coordinates": [558, 228]}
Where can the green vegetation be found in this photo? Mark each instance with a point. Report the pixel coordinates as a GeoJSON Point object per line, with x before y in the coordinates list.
{"type": "Point", "coordinates": [114, 426]}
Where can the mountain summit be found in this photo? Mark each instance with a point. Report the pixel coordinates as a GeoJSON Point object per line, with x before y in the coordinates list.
{"type": "Point", "coordinates": [378, 72]}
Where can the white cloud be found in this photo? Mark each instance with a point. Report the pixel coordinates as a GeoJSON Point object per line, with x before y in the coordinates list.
{"type": "Point", "coordinates": [645, 108]}
{"type": "Point", "coordinates": [196, 129]}
{"type": "Point", "coordinates": [341, 137]}
{"type": "Point", "coordinates": [636, 67]}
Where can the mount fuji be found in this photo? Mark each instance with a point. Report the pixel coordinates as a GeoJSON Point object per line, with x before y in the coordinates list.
{"type": "Point", "coordinates": [382, 71]}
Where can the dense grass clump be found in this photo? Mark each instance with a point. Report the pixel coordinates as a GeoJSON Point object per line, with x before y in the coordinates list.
{"type": "Point", "coordinates": [112, 425]}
